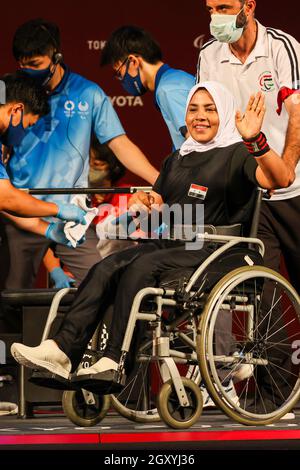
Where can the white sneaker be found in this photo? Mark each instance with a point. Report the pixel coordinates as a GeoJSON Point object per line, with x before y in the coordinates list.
{"type": "Point", "coordinates": [7, 408]}
{"type": "Point", "coordinates": [104, 364]}
{"type": "Point", "coordinates": [290, 415]}
{"type": "Point", "coordinates": [207, 400]}
{"type": "Point", "coordinates": [47, 356]}
{"type": "Point", "coordinates": [230, 392]}
{"type": "Point", "coordinates": [242, 372]}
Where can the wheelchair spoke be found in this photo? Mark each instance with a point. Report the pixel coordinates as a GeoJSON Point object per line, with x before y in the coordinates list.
{"type": "Point", "coordinates": [257, 328]}
{"type": "Point", "coordinates": [261, 398]}
{"type": "Point", "coordinates": [280, 329]}
{"type": "Point", "coordinates": [279, 368]}
{"type": "Point", "coordinates": [283, 343]}
{"type": "Point", "coordinates": [270, 316]}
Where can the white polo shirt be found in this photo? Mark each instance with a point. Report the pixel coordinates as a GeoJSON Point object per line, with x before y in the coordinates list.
{"type": "Point", "coordinates": [272, 65]}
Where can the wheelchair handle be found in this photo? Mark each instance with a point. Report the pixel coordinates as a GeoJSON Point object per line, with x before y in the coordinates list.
{"type": "Point", "coordinates": [256, 214]}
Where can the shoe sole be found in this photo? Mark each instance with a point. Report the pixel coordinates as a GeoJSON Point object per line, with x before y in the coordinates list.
{"type": "Point", "coordinates": [288, 416]}
{"type": "Point", "coordinates": [33, 363]}
{"type": "Point", "coordinates": [210, 406]}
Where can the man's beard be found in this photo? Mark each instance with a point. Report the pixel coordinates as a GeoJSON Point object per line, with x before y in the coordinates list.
{"type": "Point", "coordinates": [241, 21]}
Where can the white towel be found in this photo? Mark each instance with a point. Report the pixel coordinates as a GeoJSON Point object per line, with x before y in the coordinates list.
{"type": "Point", "coordinates": [107, 229]}
{"type": "Point", "coordinates": [108, 233]}
{"type": "Point", "coordinates": [74, 232]}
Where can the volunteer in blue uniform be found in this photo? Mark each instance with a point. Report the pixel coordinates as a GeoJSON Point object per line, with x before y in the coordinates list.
{"type": "Point", "coordinates": [24, 104]}
{"type": "Point", "coordinates": [137, 60]}
{"type": "Point", "coordinates": [55, 152]}
{"type": "Point", "coordinates": [214, 157]}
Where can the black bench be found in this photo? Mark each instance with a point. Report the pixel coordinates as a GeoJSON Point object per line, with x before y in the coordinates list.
{"type": "Point", "coordinates": [33, 307]}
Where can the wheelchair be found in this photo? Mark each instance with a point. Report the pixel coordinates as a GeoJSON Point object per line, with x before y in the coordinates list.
{"type": "Point", "coordinates": [203, 328]}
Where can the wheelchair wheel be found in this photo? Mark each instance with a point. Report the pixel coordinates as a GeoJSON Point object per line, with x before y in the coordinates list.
{"type": "Point", "coordinates": [247, 343]}
{"type": "Point", "coordinates": [82, 414]}
{"type": "Point", "coordinates": [136, 401]}
{"type": "Point", "coordinates": [170, 410]}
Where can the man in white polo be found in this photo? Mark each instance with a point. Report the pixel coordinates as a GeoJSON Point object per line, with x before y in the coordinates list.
{"type": "Point", "coordinates": [248, 57]}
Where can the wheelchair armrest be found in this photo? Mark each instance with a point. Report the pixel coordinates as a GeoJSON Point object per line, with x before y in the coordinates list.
{"type": "Point", "coordinates": [230, 230]}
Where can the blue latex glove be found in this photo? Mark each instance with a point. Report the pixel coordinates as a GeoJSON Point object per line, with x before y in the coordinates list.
{"type": "Point", "coordinates": [55, 232]}
{"type": "Point", "coordinates": [60, 279]}
{"type": "Point", "coordinates": [71, 212]}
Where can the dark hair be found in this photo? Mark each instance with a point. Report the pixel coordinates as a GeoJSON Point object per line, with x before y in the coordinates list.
{"type": "Point", "coordinates": [130, 40]}
{"type": "Point", "coordinates": [115, 168]}
{"type": "Point", "coordinates": [20, 88]}
{"type": "Point", "coordinates": [34, 38]}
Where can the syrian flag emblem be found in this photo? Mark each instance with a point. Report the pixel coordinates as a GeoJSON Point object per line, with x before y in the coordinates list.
{"type": "Point", "coordinates": [199, 192]}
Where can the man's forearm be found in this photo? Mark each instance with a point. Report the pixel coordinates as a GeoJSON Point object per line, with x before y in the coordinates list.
{"type": "Point", "coordinates": [30, 208]}
{"type": "Point", "coordinates": [291, 153]}
{"type": "Point", "coordinates": [17, 202]}
{"type": "Point", "coordinates": [273, 171]}
{"type": "Point", "coordinates": [50, 261]}
{"type": "Point", "coordinates": [133, 158]}
{"type": "Point", "coordinates": [34, 225]}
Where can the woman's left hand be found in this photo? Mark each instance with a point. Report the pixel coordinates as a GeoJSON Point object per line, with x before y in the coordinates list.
{"type": "Point", "coordinates": [249, 124]}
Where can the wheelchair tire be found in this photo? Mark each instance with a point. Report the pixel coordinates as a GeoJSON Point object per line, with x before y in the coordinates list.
{"type": "Point", "coordinates": [174, 415]}
{"type": "Point", "coordinates": [138, 416]}
{"type": "Point", "coordinates": [82, 414]}
{"type": "Point", "coordinates": [262, 336]}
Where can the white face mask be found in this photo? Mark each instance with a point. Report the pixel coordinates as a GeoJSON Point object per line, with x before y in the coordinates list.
{"type": "Point", "coordinates": [224, 29]}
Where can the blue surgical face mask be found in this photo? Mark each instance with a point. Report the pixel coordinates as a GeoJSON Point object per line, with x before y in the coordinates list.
{"type": "Point", "coordinates": [133, 85]}
{"type": "Point", "coordinates": [42, 76]}
{"type": "Point", "coordinates": [224, 29]}
{"type": "Point", "coordinates": [13, 135]}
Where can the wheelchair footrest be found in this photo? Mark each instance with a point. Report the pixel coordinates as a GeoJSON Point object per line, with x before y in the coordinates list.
{"type": "Point", "coordinates": [51, 380]}
{"type": "Point", "coordinates": [102, 383]}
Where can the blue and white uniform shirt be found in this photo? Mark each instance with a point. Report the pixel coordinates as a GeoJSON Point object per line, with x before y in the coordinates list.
{"type": "Point", "coordinates": [55, 151]}
{"type": "Point", "coordinates": [172, 87]}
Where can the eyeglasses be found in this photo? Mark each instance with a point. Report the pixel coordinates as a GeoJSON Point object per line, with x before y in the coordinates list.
{"type": "Point", "coordinates": [117, 72]}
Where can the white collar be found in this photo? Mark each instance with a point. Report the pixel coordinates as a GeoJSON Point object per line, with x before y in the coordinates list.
{"type": "Point", "coordinates": [261, 48]}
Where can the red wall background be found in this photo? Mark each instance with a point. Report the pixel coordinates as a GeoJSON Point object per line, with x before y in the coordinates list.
{"type": "Point", "coordinates": [179, 26]}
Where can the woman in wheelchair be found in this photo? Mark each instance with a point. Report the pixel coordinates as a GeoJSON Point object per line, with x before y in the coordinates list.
{"type": "Point", "coordinates": [215, 168]}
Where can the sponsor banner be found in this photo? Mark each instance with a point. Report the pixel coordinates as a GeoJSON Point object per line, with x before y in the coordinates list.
{"type": "Point", "coordinates": [95, 44]}
{"type": "Point", "coordinates": [122, 101]}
